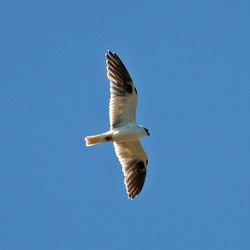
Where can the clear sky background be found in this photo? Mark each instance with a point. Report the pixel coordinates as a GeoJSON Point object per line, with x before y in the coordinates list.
{"type": "Point", "coordinates": [190, 62]}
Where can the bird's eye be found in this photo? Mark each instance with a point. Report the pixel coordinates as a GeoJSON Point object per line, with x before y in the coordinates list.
{"type": "Point", "coordinates": [146, 130]}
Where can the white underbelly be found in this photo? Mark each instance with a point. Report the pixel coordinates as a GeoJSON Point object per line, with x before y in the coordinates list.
{"type": "Point", "coordinates": [126, 133]}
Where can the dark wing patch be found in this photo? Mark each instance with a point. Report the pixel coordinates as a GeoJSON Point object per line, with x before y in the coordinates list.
{"type": "Point", "coordinates": [128, 88]}
{"type": "Point", "coordinates": [141, 165]}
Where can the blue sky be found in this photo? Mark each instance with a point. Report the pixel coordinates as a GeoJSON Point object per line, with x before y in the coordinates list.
{"type": "Point", "coordinates": [190, 63]}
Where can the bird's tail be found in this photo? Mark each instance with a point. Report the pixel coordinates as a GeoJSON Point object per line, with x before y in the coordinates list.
{"type": "Point", "coordinates": [97, 139]}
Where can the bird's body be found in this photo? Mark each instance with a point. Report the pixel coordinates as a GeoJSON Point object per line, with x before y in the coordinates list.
{"type": "Point", "coordinates": [124, 132]}
{"type": "Point", "coordinates": [127, 132]}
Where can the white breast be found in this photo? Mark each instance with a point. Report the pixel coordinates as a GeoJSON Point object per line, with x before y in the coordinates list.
{"type": "Point", "coordinates": [128, 132]}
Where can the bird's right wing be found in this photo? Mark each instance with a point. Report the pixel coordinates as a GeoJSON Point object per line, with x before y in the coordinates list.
{"type": "Point", "coordinates": [123, 99]}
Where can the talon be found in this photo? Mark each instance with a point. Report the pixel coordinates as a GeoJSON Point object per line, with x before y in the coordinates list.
{"type": "Point", "coordinates": [108, 137]}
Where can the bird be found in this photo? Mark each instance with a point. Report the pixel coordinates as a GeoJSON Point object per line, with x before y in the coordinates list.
{"type": "Point", "coordinates": [124, 131]}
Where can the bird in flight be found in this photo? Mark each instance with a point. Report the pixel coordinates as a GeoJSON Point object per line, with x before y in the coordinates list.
{"type": "Point", "coordinates": [124, 132]}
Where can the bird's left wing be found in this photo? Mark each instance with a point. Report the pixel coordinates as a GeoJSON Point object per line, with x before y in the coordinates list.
{"type": "Point", "coordinates": [134, 163]}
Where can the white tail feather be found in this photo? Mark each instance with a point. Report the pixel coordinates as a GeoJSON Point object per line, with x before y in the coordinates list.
{"type": "Point", "coordinates": [96, 139]}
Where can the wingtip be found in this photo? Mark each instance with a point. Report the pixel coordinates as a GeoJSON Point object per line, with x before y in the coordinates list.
{"type": "Point", "coordinates": [107, 55]}
{"type": "Point", "coordinates": [131, 197]}
{"type": "Point", "coordinates": [110, 53]}
{"type": "Point", "coordinates": [110, 56]}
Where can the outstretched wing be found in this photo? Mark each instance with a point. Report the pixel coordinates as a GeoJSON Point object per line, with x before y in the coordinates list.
{"type": "Point", "coordinates": [134, 163]}
{"type": "Point", "coordinates": [123, 99]}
